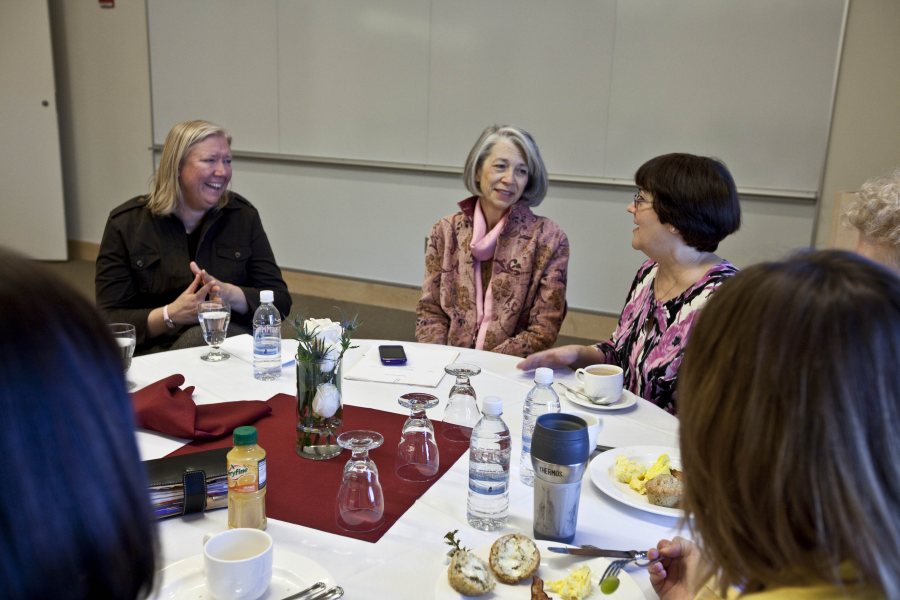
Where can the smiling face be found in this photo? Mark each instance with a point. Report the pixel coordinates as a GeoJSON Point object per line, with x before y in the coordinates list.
{"type": "Point", "coordinates": [205, 173]}
{"type": "Point", "coordinates": [502, 179]}
{"type": "Point", "coordinates": [650, 236]}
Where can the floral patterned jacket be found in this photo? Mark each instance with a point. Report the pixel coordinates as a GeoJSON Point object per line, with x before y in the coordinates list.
{"type": "Point", "coordinates": [528, 282]}
{"type": "Point", "coordinates": [651, 336]}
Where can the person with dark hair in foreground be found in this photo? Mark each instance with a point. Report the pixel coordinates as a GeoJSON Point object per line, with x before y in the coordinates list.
{"type": "Point", "coordinates": [685, 205]}
{"type": "Point", "coordinates": [790, 407]}
{"type": "Point", "coordinates": [75, 517]}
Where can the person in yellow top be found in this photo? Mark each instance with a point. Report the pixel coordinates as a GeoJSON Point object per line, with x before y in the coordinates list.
{"type": "Point", "coordinates": [790, 407]}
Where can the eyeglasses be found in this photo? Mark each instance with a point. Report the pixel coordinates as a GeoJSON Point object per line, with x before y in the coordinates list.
{"type": "Point", "coordinates": [639, 200]}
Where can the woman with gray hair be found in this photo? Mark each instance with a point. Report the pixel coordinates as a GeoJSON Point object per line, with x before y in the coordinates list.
{"type": "Point", "coordinates": [495, 273]}
{"type": "Point", "coordinates": [875, 213]}
{"type": "Point", "coordinates": [188, 239]}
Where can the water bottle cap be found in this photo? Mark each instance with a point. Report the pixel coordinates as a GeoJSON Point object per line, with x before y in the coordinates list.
{"type": "Point", "coordinates": [543, 375]}
{"type": "Point", "coordinates": [244, 435]}
{"type": "Point", "coordinates": [266, 296]}
{"type": "Point", "coordinates": [492, 405]}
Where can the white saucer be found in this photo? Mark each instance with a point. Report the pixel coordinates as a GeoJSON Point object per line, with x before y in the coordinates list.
{"type": "Point", "coordinates": [290, 574]}
{"type": "Point", "coordinates": [627, 399]}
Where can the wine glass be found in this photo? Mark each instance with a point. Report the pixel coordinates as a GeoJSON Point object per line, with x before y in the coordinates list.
{"type": "Point", "coordinates": [360, 501]}
{"type": "Point", "coordinates": [461, 412]}
{"type": "Point", "coordinates": [214, 317]}
{"type": "Point", "coordinates": [126, 338]}
{"type": "Point", "coordinates": [417, 453]}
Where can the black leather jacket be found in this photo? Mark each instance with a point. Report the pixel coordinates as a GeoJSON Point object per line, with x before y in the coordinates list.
{"type": "Point", "coordinates": [144, 261]}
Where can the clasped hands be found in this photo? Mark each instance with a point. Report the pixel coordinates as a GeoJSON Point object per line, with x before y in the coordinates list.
{"type": "Point", "coordinates": [183, 310]}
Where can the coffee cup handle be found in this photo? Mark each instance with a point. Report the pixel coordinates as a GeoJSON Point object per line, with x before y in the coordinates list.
{"type": "Point", "coordinates": [579, 375]}
{"type": "Point", "coordinates": [207, 536]}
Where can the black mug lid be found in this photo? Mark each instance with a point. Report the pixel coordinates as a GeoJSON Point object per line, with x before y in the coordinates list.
{"type": "Point", "coordinates": [560, 439]}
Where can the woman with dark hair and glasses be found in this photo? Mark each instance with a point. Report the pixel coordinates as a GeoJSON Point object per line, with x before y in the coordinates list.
{"type": "Point", "coordinates": [685, 205]}
{"type": "Point", "coordinates": [790, 408]}
{"type": "Point", "coordinates": [75, 516]}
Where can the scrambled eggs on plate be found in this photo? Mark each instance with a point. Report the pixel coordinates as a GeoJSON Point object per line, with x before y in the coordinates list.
{"type": "Point", "coordinates": [636, 475]}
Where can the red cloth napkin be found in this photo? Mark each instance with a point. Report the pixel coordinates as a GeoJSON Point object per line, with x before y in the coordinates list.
{"type": "Point", "coordinates": [165, 407]}
{"type": "Point", "coordinates": [303, 491]}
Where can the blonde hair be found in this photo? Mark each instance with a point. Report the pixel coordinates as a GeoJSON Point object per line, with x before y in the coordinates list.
{"type": "Point", "coordinates": [165, 187]}
{"type": "Point", "coordinates": [875, 212]}
{"type": "Point", "coordinates": [789, 407]}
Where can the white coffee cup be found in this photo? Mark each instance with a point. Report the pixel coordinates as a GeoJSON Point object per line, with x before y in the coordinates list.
{"type": "Point", "coordinates": [238, 563]}
{"type": "Point", "coordinates": [594, 425]}
{"type": "Point", "coordinates": [601, 382]}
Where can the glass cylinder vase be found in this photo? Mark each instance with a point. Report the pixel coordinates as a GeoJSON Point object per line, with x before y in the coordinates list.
{"type": "Point", "coordinates": [319, 409]}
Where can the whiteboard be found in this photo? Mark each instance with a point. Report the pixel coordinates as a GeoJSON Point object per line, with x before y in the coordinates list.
{"type": "Point", "coordinates": [603, 85]}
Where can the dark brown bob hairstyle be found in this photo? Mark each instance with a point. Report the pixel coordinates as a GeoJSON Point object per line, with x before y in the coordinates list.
{"type": "Point", "coordinates": [694, 194]}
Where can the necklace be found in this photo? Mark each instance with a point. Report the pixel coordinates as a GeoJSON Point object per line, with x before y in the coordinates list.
{"type": "Point", "coordinates": [661, 297]}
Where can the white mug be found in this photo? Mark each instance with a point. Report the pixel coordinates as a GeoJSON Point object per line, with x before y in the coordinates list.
{"type": "Point", "coordinates": [594, 425]}
{"type": "Point", "coordinates": [601, 382]}
{"type": "Point", "coordinates": [238, 563]}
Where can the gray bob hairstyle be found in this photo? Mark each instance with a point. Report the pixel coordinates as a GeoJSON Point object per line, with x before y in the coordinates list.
{"type": "Point", "coordinates": [165, 187]}
{"type": "Point", "coordinates": [535, 189]}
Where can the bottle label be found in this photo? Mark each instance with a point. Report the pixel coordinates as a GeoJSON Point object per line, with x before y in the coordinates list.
{"type": "Point", "coordinates": [247, 477]}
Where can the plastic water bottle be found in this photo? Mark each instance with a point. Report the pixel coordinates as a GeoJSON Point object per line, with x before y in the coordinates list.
{"type": "Point", "coordinates": [266, 339]}
{"type": "Point", "coordinates": [489, 452]}
{"type": "Point", "coordinates": [542, 399]}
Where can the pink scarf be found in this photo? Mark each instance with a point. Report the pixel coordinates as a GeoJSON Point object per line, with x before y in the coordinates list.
{"type": "Point", "coordinates": [482, 246]}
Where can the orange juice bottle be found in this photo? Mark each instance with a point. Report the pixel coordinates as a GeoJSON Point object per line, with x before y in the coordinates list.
{"type": "Point", "coordinates": [246, 481]}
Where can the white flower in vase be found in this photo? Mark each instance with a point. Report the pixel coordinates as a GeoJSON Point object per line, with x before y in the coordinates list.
{"type": "Point", "coordinates": [327, 400]}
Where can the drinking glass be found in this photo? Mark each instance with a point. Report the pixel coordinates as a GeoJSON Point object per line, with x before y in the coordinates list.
{"type": "Point", "coordinates": [125, 336]}
{"type": "Point", "coordinates": [360, 501]}
{"type": "Point", "coordinates": [214, 317]}
{"type": "Point", "coordinates": [417, 452]}
{"type": "Point", "coordinates": [461, 412]}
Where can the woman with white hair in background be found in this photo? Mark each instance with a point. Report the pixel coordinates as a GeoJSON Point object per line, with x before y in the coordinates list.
{"type": "Point", "coordinates": [875, 213]}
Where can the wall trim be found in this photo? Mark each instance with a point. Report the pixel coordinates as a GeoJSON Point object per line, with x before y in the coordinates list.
{"type": "Point", "coordinates": [578, 323]}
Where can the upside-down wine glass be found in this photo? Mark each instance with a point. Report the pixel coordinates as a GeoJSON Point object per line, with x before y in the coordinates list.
{"type": "Point", "coordinates": [461, 412]}
{"type": "Point", "coordinates": [126, 338]}
{"type": "Point", "coordinates": [417, 452]}
{"type": "Point", "coordinates": [214, 317]}
{"type": "Point", "coordinates": [360, 501]}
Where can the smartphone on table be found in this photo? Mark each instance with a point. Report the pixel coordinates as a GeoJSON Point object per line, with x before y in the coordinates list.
{"type": "Point", "coordinates": [392, 354]}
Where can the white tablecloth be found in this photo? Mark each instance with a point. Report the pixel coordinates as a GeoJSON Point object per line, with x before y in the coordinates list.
{"type": "Point", "coordinates": [410, 558]}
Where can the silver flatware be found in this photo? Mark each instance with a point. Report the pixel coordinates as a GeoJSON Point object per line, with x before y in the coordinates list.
{"type": "Point", "coordinates": [309, 593]}
{"type": "Point", "coordinates": [588, 550]}
{"type": "Point", "coordinates": [580, 394]}
{"type": "Point", "coordinates": [330, 594]}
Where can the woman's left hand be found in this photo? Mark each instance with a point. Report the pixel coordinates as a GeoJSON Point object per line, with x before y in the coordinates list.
{"type": "Point", "coordinates": [231, 294]}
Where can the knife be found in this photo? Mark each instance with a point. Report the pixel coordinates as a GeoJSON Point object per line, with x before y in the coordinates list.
{"type": "Point", "coordinates": [594, 551]}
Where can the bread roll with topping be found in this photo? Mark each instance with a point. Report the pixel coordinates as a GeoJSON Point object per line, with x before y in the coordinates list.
{"type": "Point", "coordinates": [665, 490]}
{"type": "Point", "coordinates": [514, 557]}
{"type": "Point", "coordinates": [469, 575]}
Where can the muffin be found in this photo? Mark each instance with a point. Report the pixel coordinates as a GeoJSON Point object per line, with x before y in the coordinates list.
{"type": "Point", "coordinates": [664, 490]}
{"type": "Point", "coordinates": [514, 557]}
{"type": "Point", "coordinates": [469, 575]}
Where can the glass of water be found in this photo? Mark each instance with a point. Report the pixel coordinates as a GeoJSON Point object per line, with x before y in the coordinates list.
{"type": "Point", "coordinates": [214, 317]}
{"type": "Point", "coordinates": [126, 338]}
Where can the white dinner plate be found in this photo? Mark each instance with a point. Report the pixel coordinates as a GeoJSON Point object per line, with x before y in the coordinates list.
{"type": "Point", "coordinates": [601, 470]}
{"type": "Point", "coordinates": [627, 399]}
{"type": "Point", "coordinates": [553, 566]}
{"type": "Point", "coordinates": [290, 574]}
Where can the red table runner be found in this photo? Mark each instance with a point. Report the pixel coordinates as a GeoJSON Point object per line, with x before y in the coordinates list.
{"type": "Point", "coordinates": [304, 491]}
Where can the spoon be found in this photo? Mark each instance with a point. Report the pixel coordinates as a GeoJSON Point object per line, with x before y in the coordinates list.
{"type": "Point", "coordinates": [580, 394]}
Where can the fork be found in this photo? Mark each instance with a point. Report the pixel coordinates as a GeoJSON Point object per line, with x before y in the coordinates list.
{"type": "Point", "coordinates": [614, 568]}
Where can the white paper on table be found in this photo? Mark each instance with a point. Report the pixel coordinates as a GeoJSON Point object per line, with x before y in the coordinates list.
{"type": "Point", "coordinates": [241, 346]}
{"type": "Point", "coordinates": [424, 366]}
